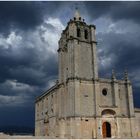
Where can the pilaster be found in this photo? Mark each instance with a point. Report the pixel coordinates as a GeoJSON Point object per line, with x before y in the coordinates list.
{"type": "Point", "coordinates": [96, 93]}
{"type": "Point", "coordinates": [129, 94]}
{"type": "Point", "coordinates": [94, 61]}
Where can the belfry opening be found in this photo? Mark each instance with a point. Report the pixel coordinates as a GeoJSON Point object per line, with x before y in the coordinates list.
{"type": "Point", "coordinates": [106, 130]}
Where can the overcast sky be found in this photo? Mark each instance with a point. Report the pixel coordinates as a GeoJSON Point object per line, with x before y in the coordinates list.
{"type": "Point", "coordinates": [29, 34]}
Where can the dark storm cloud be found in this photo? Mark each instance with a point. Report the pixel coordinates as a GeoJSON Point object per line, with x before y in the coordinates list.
{"type": "Point", "coordinates": [124, 46]}
{"type": "Point", "coordinates": [114, 10]}
{"type": "Point", "coordinates": [35, 75]}
{"type": "Point", "coordinates": [28, 15]}
{"type": "Point", "coordinates": [97, 9]}
{"type": "Point", "coordinates": [28, 67]}
{"type": "Point", "coordinates": [16, 114]}
{"type": "Point", "coordinates": [19, 14]}
{"type": "Point", "coordinates": [24, 15]}
{"type": "Point", "coordinates": [127, 11]}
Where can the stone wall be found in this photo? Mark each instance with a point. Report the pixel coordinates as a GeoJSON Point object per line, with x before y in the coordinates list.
{"type": "Point", "coordinates": [68, 111]}
{"type": "Point", "coordinates": [137, 122]}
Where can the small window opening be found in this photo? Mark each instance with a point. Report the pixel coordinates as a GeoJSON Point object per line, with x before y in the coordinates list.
{"type": "Point", "coordinates": [86, 120]}
{"type": "Point", "coordinates": [86, 34]}
{"type": "Point", "coordinates": [78, 32]}
{"type": "Point", "coordinates": [104, 92]}
{"type": "Point", "coordinates": [86, 95]}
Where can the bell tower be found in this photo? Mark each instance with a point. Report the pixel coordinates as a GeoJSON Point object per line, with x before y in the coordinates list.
{"type": "Point", "coordinates": [77, 51]}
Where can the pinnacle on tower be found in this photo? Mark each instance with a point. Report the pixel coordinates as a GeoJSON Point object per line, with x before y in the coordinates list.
{"type": "Point", "coordinates": [113, 75]}
{"type": "Point", "coordinates": [126, 75]}
{"type": "Point", "coordinates": [77, 14]}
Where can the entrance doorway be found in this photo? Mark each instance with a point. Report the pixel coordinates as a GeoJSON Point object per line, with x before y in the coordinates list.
{"type": "Point", "coordinates": [106, 130]}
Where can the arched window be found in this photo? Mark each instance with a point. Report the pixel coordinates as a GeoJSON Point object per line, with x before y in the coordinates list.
{"type": "Point", "coordinates": [108, 112]}
{"type": "Point", "coordinates": [86, 34]}
{"type": "Point", "coordinates": [78, 32]}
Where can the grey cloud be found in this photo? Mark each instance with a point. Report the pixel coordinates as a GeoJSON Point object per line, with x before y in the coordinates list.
{"type": "Point", "coordinates": [127, 11]}
{"type": "Point", "coordinates": [24, 15]}
{"type": "Point", "coordinates": [28, 15]}
{"type": "Point", "coordinates": [114, 10]}
{"type": "Point", "coordinates": [124, 46]}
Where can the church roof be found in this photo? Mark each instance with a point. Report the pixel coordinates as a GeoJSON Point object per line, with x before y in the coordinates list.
{"type": "Point", "coordinates": [137, 109]}
{"type": "Point", "coordinates": [47, 92]}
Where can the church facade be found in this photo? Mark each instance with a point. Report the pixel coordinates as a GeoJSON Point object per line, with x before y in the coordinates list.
{"type": "Point", "coordinates": [81, 104]}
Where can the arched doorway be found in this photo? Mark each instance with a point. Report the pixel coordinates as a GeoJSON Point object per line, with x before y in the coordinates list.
{"type": "Point", "coordinates": [106, 130]}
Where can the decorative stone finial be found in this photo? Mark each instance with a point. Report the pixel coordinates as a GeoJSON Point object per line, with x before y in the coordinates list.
{"type": "Point", "coordinates": [57, 82]}
{"type": "Point", "coordinates": [113, 75]}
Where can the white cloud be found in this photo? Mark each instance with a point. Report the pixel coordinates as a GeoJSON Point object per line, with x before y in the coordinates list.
{"type": "Point", "coordinates": [102, 24]}
{"type": "Point", "coordinates": [13, 40]}
{"type": "Point", "coordinates": [51, 83]}
{"type": "Point", "coordinates": [52, 36]}
{"type": "Point", "coordinates": [17, 86]}
{"type": "Point", "coordinates": [55, 22]}
{"type": "Point", "coordinates": [33, 39]}
{"type": "Point", "coordinates": [106, 25]}
{"type": "Point", "coordinates": [44, 43]}
{"type": "Point", "coordinates": [7, 100]}
{"type": "Point", "coordinates": [105, 61]}
{"type": "Point", "coordinates": [18, 93]}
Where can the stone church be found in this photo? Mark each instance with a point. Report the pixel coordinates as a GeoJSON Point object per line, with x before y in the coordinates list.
{"type": "Point", "coordinates": [81, 104]}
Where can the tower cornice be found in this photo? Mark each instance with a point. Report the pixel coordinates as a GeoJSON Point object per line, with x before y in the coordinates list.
{"type": "Point", "coordinates": [72, 38]}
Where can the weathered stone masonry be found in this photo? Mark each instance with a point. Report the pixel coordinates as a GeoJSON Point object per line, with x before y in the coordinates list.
{"type": "Point", "coordinates": [80, 104]}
